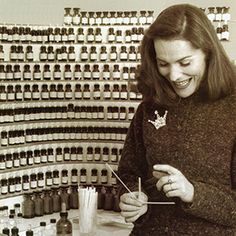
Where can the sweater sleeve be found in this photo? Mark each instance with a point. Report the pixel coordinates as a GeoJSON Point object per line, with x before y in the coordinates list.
{"type": "Point", "coordinates": [217, 203]}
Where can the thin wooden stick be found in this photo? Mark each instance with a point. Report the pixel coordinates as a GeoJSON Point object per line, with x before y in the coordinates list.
{"type": "Point", "coordinates": [149, 203]}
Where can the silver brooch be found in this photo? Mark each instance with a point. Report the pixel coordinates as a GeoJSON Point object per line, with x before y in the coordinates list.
{"type": "Point", "coordinates": [159, 121]}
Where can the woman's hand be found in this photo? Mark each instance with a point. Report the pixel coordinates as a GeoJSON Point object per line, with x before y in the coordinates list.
{"type": "Point", "coordinates": [173, 183]}
{"type": "Point", "coordinates": [133, 206]}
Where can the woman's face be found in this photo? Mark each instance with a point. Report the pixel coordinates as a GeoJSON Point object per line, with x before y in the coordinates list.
{"type": "Point", "coordinates": [180, 63]}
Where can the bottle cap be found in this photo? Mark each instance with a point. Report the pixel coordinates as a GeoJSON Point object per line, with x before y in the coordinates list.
{"type": "Point", "coordinates": [42, 223]}
{"type": "Point", "coordinates": [29, 233]}
{"type": "Point", "coordinates": [63, 214]}
{"type": "Point", "coordinates": [52, 221]}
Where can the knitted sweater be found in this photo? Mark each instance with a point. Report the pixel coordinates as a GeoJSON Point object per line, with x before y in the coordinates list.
{"type": "Point", "coordinates": [199, 140]}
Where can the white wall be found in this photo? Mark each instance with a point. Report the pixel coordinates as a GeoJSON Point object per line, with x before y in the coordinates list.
{"type": "Point", "coordinates": [52, 11]}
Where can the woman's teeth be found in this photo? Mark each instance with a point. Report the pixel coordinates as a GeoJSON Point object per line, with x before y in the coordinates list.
{"type": "Point", "coordinates": [182, 84]}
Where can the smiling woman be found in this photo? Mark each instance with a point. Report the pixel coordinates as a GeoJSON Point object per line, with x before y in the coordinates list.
{"type": "Point", "coordinates": [181, 64]}
{"type": "Point", "coordinates": [181, 141]}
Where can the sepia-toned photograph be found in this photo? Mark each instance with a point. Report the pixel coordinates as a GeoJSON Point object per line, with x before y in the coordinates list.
{"type": "Point", "coordinates": [117, 118]}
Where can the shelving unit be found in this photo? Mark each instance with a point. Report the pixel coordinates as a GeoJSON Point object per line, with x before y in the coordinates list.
{"type": "Point", "coordinates": [63, 109]}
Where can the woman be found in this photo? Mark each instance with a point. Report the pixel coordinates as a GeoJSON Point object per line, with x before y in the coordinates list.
{"type": "Point", "coordinates": [181, 141]}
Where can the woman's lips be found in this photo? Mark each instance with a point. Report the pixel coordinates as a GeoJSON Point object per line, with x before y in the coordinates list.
{"type": "Point", "coordinates": [182, 84]}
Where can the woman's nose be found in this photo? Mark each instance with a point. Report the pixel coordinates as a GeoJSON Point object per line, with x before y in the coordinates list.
{"type": "Point", "coordinates": [175, 73]}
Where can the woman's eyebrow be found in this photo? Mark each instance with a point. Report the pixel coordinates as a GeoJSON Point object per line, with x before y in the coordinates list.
{"type": "Point", "coordinates": [181, 59]}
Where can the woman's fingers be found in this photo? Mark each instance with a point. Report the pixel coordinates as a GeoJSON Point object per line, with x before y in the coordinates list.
{"type": "Point", "coordinates": [133, 199]}
{"type": "Point", "coordinates": [167, 169]}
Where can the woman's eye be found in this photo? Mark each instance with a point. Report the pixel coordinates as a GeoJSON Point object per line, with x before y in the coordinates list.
{"type": "Point", "coordinates": [187, 63]}
{"type": "Point", "coordinates": [161, 64]}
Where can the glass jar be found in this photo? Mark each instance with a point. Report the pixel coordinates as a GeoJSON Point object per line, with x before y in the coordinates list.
{"type": "Point", "coordinates": [73, 197]}
{"type": "Point", "coordinates": [39, 205]}
{"type": "Point", "coordinates": [28, 206]}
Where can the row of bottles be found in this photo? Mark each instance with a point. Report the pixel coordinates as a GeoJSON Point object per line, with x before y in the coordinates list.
{"type": "Point", "coordinates": [33, 92]}
{"type": "Point", "coordinates": [36, 180]}
{"type": "Point", "coordinates": [73, 16]}
{"type": "Point", "coordinates": [38, 134]}
{"type": "Point", "coordinates": [62, 112]}
{"type": "Point", "coordinates": [14, 34]}
{"type": "Point", "coordinates": [63, 153]}
{"type": "Point", "coordinates": [218, 14]}
{"type": "Point", "coordinates": [67, 72]}
{"type": "Point", "coordinates": [62, 54]}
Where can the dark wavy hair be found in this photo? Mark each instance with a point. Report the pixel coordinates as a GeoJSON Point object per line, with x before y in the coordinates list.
{"type": "Point", "coordinates": [187, 22]}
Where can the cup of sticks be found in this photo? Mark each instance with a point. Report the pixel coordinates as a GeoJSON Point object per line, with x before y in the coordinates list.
{"type": "Point", "coordinates": [87, 211]}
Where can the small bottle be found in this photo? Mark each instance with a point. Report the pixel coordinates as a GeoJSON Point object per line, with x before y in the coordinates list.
{"type": "Point", "coordinates": [64, 35]}
{"type": "Point", "coordinates": [93, 54]}
{"type": "Point", "coordinates": [95, 73]}
{"type": "Point", "coordinates": [113, 53]}
{"type": "Point", "coordinates": [116, 72]}
{"type": "Point", "coordinates": [103, 54]}
{"type": "Point", "coordinates": [133, 18]}
{"type": "Point", "coordinates": [132, 54]}
{"type": "Point", "coordinates": [76, 16]}
{"type": "Point", "coordinates": [27, 72]}
{"type": "Point", "coordinates": [87, 72]}
{"type": "Point", "coordinates": [98, 18]}
{"type": "Point", "coordinates": [111, 35]}
{"type": "Point", "coordinates": [150, 17]}
{"type": "Point", "coordinates": [105, 18]}
{"type": "Point", "coordinates": [90, 35]}
{"type": "Point", "coordinates": [84, 18]}
{"type": "Point", "coordinates": [98, 35]}
{"type": "Point", "coordinates": [51, 54]}
{"type": "Point", "coordinates": [119, 19]}
{"type": "Point", "coordinates": [29, 53]}
{"type": "Point", "coordinates": [119, 37]}
{"type": "Point", "coordinates": [123, 54]}
{"type": "Point", "coordinates": [128, 36]}
{"type": "Point", "coordinates": [71, 53]}
{"type": "Point", "coordinates": [83, 175]}
{"type": "Point", "coordinates": [134, 35]}
{"type": "Point", "coordinates": [116, 91]}
{"type": "Point", "coordinates": [37, 72]}
{"type": "Point", "coordinates": [43, 56]}
{"type": "Point", "coordinates": [80, 35]}
{"type": "Point", "coordinates": [64, 54]}
{"type": "Point", "coordinates": [84, 53]}
{"type": "Point", "coordinates": [126, 19]}
{"type": "Point", "coordinates": [218, 16]}
{"type": "Point", "coordinates": [67, 16]}
{"type": "Point", "coordinates": [42, 229]}
{"type": "Point", "coordinates": [64, 226]}
{"type": "Point", "coordinates": [211, 14]}
{"type": "Point", "coordinates": [77, 72]}
{"type": "Point", "coordinates": [91, 18]}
